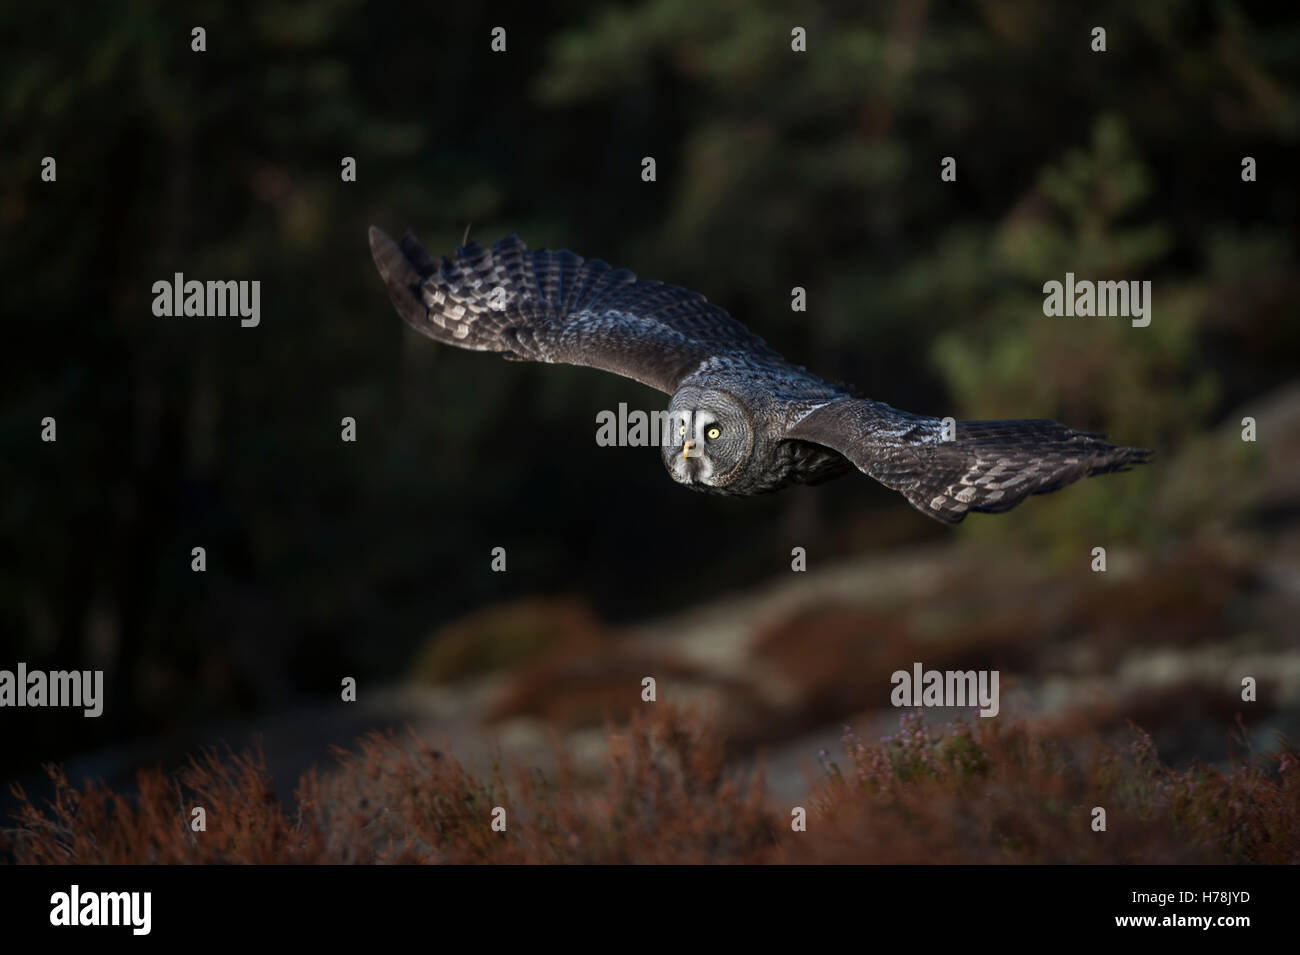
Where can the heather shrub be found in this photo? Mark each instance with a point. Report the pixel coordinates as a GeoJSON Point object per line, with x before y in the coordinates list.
{"type": "Point", "coordinates": [971, 791]}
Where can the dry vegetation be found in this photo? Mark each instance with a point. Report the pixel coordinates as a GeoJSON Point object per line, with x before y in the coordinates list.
{"type": "Point", "coordinates": [959, 793]}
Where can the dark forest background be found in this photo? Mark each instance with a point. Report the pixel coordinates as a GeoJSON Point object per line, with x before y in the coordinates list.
{"type": "Point", "coordinates": [775, 169]}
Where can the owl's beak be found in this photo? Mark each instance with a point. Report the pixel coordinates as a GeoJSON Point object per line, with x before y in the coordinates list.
{"type": "Point", "coordinates": [686, 449]}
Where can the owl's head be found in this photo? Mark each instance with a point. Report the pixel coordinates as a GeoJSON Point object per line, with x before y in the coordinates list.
{"type": "Point", "coordinates": [709, 438]}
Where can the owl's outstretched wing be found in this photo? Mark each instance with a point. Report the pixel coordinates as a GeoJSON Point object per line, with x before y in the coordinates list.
{"type": "Point", "coordinates": [987, 466]}
{"type": "Point", "coordinates": [557, 307]}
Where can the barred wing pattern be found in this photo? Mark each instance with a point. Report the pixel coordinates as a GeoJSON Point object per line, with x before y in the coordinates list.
{"type": "Point", "coordinates": [990, 466]}
{"type": "Point", "coordinates": [557, 307]}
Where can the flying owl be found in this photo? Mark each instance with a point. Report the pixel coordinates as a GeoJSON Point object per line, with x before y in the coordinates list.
{"type": "Point", "coordinates": [743, 419]}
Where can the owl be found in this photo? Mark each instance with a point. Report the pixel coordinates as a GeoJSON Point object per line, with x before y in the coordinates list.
{"type": "Point", "coordinates": [741, 419]}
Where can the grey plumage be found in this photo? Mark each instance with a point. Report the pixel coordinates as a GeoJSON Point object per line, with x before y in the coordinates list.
{"type": "Point", "coordinates": [750, 421]}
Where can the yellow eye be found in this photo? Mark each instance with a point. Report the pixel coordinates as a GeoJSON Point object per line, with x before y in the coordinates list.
{"type": "Point", "coordinates": [713, 433]}
{"type": "Point", "coordinates": [682, 430]}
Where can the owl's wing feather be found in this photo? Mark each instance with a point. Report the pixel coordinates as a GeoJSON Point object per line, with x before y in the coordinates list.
{"type": "Point", "coordinates": [557, 307]}
{"type": "Point", "coordinates": [989, 465]}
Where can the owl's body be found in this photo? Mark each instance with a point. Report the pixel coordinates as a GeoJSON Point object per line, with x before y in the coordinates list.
{"type": "Point", "coordinates": [745, 420]}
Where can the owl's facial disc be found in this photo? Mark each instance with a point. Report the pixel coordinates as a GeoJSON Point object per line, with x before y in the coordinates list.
{"type": "Point", "coordinates": [707, 437]}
